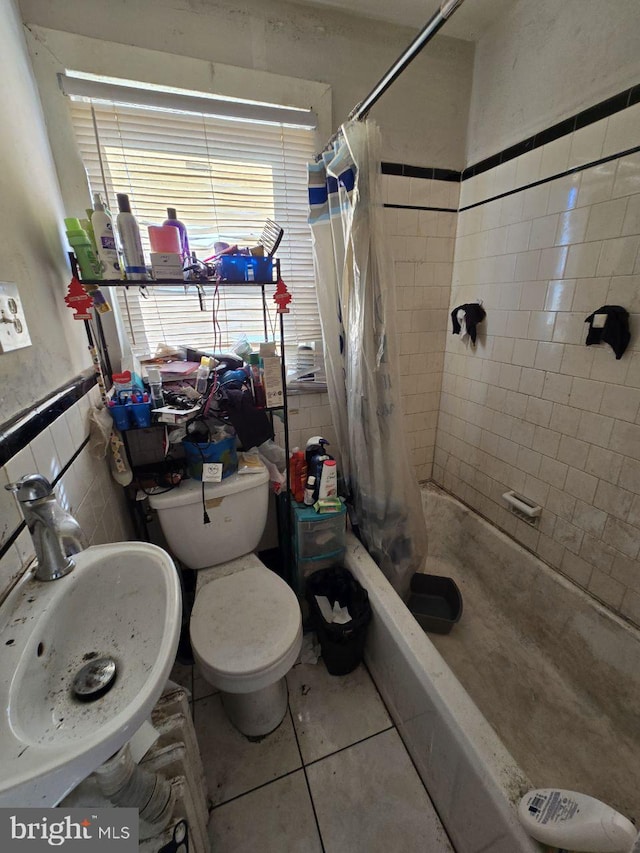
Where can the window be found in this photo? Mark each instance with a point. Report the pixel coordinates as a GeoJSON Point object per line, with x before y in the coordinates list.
{"type": "Point", "coordinates": [225, 177]}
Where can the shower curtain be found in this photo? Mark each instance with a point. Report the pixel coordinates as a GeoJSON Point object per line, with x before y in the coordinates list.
{"type": "Point", "coordinates": [355, 289]}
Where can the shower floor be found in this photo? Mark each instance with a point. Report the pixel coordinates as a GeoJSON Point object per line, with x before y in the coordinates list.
{"type": "Point", "coordinates": [532, 705]}
{"type": "Point", "coordinates": [334, 777]}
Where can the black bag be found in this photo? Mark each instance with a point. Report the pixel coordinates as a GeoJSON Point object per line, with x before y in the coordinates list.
{"type": "Point", "coordinates": [342, 645]}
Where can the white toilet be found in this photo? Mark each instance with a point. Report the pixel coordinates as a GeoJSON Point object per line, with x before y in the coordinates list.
{"type": "Point", "coordinates": [246, 625]}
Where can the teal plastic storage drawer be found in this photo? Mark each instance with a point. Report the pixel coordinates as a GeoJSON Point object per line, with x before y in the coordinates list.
{"type": "Point", "coordinates": [318, 534]}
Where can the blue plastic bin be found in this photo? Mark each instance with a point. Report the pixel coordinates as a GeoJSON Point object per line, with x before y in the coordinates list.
{"type": "Point", "coordinates": [244, 268]}
{"type": "Point", "coordinates": [208, 451]}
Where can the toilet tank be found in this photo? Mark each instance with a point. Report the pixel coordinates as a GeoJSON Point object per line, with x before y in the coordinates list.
{"type": "Point", "coordinates": [237, 510]}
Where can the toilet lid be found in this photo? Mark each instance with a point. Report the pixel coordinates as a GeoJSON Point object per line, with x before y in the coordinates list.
{"type": "Point", "coordinates": [245, 622]}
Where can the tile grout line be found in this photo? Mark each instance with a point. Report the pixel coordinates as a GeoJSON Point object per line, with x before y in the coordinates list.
{"type": "Point", "coordinates": [257, 788]}
{"type": "Point", "coordinates": [415, 767]}
{"type": "Point", "coordinates": [304, 770]}
{"type": "Point", "coordinates": [349, 745]}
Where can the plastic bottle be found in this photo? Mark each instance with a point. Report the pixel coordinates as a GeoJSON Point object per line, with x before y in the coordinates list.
{"type": "Point", "coordinates": [575, 821]}
{"type": "Point", "coordinates": [309, 490]}
{"type": "Point", "coordinates": [297, 475]}
{"type": "Point", "coordinates": [257, 386]}
{"type": "Point", "coordinates": [105, 239]}
{"type": "Point", "coordinates": [155, 384]}
{"type": "Point", "coordinates": [134, 263]}
{"type": "Point", "coordinates": [202, 375]}
{"type": "Point", "coordinates": [88, 263]}
{"type": "Point", "coordinates": [172, 219]}
{"type": "Point", "coordinates": [328, 479]}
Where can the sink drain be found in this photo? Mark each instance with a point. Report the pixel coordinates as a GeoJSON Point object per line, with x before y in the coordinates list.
{"type": "Point", "coordinates": [94, 679]}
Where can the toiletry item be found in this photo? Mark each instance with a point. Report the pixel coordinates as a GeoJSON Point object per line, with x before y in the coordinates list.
{"type": "Point", "coordinates": [297, 475]}
{"type": "Point", "coordinates": [172, 219]}
{"type": "Point", "coordinates": [315, 447]}
{"type": "Point", "coordinates": [105, 239]}
{"type": "Point", "coordinates": [575, 821]}
{"type": "Point", "coordinates": [90, 267]}
{"type": "Point", "coordinates": [88, 227]}
{"type": "Point", "coordinates": [202, 375]}
{"type": "Point", "coordinates": [164, 238]}
{"type": "Point", "coordinates": [134, 263]}
{"type": "Point", "coordinates": [155, 384]}
{"type": "Point", "coordinates": [309, 489]}
{"type": "Point", "coordinates": [256, 381]}
{"type": "Point", "coordinates": [328, 480]}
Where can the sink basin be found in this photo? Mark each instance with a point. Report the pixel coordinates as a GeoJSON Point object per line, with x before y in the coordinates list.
{"type": "Point", "coordinates": [121, 601]}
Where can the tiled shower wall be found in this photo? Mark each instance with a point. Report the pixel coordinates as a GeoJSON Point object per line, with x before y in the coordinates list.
{"type": "Point", "coordinates": [420, 222]}
{"type": "Point", "coordinates": [85, 488]}
{"type": "Point", "coordinates": [531, 408]}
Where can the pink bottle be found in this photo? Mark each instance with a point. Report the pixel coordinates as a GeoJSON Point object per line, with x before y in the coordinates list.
{"type": "Point", "coordinates": [165, 239]}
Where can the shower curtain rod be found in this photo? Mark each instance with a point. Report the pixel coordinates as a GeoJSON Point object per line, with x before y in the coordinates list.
{"type": "Point", "coordinates": [361, 110]}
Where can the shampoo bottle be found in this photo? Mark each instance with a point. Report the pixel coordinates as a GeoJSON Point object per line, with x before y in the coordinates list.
{"type": "Point", "coordinates": [134, 263]}
{"type": "Point", "coordinates": [172, 219]}
{"type": "Point", "coordinates": [575, 821]}
{"type": "Point", "coordinates": [89, 264]}
{"type": "Point", "coordinates": [105, 239]}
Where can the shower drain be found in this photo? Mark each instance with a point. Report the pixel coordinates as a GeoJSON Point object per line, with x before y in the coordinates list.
{"type": "Point", "coordinates": [94, 679]}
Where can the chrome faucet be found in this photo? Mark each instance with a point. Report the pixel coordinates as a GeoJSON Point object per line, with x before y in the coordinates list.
{"type": "Point", "coordinates": [55, 533]}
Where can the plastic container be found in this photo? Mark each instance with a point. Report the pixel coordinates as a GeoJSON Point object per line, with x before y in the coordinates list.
{"type": "Point", "coordinates": [202, 374]}
{"type": "Point", "coordinates": [244, 268]}
{"type": "Point", "coordinates": [317, 535]}
{"type": "Point", "coordinates": [165, 238]}
{"type": "Point", "coordinates": [305, 568]}
{"type": "Point", "coordinates": [105, 237]}
{"type": "Point", "coordinates": [172, 219]}
{"type": "Point", "coordinates": [209, 451]}
{"type": "Point", "coordinates": [435, 601]}
{"type": "Point", "coordinates": [342, 645]}
{"type": "Point", "coordinates": [120, 415]}
{"type": "Point", "coordinates": [328, 479]}
{"type": "Point", "coordinates": [140, 414]}
{"type": "Point", "coordinates": [155, 386]}
{"type": "Point", "coordinates": [89, 264]}
{"type": "Point", "coordinates": [134, 263]}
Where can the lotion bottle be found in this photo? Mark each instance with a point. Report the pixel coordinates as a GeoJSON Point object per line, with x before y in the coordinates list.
{"type": "Point", "coordinates": [134, 263]}
{"type": "Point", "coordinates": [172, 219]}
{"type": "Point", "coordinates": [105, 238]}
{"type": "Point", "coordinates": [575, 821]}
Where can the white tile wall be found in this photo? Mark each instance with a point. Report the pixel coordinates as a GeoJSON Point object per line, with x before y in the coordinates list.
{"type": "Point", "coordinates": [422, 244]}
{"type": "Point", "coordinates": [531, 408]}
{"type": "Point", "coordinates": [86, 489]}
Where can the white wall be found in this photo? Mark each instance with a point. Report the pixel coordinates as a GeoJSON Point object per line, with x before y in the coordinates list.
{"type": "Point", "coordinates": [546, 60]}
{"type": "Point", "coordinates": [423, 117]}
{"type": "Point", "coordinates": [32, 250]}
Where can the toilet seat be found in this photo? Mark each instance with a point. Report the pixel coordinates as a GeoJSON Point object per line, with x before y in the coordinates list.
{"type": "Point", "coordinates": [246, 630]}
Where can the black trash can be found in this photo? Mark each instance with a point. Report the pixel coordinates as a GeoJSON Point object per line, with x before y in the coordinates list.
{"type": "Point", "coordinates": [342, 644]}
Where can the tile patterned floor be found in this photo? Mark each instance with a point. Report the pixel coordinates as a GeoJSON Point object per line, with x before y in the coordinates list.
{"type": "Point", "coordinates": [333, 778]}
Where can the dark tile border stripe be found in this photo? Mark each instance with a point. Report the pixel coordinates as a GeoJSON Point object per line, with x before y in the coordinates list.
{"type": "Point", "coordinates": [16, 433]}
{"type": "Point", "coordinates": [427, 172]}
{"type": "Point", "coordinates": [571, 171]}
{"type": "Point", "coordinates": [598, 111]}
{"type": "Point", "coordinates": [417, 207]}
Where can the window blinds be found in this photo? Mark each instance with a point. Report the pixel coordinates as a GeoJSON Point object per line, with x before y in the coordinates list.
{"type": "Point", "coordinates": [225, 178]}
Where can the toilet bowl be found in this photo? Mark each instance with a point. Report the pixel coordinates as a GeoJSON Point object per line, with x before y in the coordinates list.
{"type": "Point", "coordinates": [246, 624]}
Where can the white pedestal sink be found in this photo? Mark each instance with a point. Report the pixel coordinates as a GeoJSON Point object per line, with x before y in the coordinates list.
{"type": "Point", "coordinates": [121, 601]}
